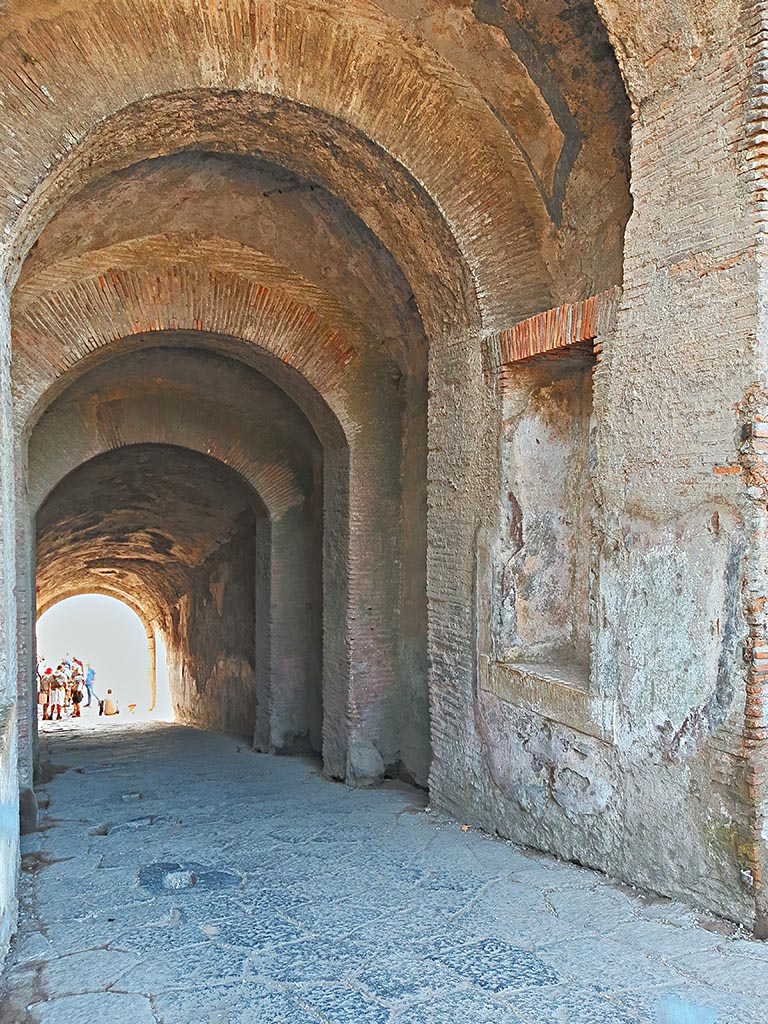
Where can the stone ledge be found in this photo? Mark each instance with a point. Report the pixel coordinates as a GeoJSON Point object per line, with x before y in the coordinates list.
{"type": "Point", "coordinates": [558, 693]}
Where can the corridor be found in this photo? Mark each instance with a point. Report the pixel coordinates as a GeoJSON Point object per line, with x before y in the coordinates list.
{"type": "Point", "coordinates": [180, 878]}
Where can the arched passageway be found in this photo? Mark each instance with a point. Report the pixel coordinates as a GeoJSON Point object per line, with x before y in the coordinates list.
{"type": "Point", "coordinates": [188, 541]}
{"type": "Point", "coordinates": [282, 376]}
{"type": "Point", "coordinates": [289, 377]}
{"type": "Point", "coordinates": [374, 274]}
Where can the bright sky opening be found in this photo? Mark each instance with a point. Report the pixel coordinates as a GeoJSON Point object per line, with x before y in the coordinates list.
{"type": "Point", "coordinates": [110, 636]}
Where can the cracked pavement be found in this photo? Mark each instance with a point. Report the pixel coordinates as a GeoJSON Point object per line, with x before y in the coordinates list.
{"type": "Point", "coordinates": [180, 878]}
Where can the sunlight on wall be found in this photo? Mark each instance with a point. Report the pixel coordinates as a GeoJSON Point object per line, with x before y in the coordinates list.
{"type": "Point", "coordinates": [110, 636]}
{"type": "Point", "coordinates": [163, 708]}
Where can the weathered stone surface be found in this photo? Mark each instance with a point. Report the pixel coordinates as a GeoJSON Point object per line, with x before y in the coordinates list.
{"type": "Point", "coordinates": [107, 1007]}
{"type": "Point", "coordinates": [27, 811]}
{"type": "Point", "coordinates": [337, 905]}
{"type": "Point", "coordinates": [365, 765]}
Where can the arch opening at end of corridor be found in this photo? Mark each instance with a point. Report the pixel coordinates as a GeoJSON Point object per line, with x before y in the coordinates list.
{"type": "Point", "coordinates": [116, 651]}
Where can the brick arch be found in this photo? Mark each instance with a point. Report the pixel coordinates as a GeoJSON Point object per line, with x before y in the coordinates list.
{"type": "Point", "coordinates": [285, 674]}
{"type": "Point", "coordinates": [353, 65]}
{"type": "Point", "coordinates": [220, 200]}
{"type": "Point", "coordinates": [161, 577]}
{"type": "Point", "coordinates": [143, 612]}
{"type": "Point", "coordinates": [250, 447]}
{"type": "Point", "coordinates": [177, 284]}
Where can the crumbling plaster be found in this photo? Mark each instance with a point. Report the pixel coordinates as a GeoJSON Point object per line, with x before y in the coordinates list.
{"type": "Point", "coordinates": [667, 617]}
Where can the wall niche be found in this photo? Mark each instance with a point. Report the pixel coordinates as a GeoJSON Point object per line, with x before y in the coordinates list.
{"type": "Point", "coordinates": [541, 561]}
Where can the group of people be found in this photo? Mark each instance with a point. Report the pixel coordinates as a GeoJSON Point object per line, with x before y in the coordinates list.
{"type": "Point", "coordinates": [68, 686]}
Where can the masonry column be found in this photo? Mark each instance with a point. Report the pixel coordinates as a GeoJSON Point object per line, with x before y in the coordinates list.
{"type": "Point", "coordinates": [462, 484]}
{"type": "Point", "coordinates": [9, 788]}
{"type": "Point", "coordinates": [754, 465]}
{"type": "Point", "coordinates": [672, 519]}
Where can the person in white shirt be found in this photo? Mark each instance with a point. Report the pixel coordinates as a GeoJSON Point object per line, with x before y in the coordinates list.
{"type": "Point", "coordinates": [110, 704]}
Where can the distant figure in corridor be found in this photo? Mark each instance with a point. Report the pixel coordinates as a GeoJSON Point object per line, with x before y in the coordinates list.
{"type": "Point", "coordinates": [110, 704]}
{"type": "Point", "coordinates": [58, 693]}
{"type": "Point", "coordinates": [90, 675]}
{"type": "Point", "coordinates": [44, 693]}
{"type": "Point", "coordinates": [76, 692]}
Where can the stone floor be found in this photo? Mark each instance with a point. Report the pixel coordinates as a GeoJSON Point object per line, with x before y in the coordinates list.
{"type": "Point", "coordinates": [180, 878]}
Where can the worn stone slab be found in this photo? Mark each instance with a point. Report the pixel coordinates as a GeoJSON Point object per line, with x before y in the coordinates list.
{"type": "Point", "coordinates": [104, 1007]}
{"type": "Point", "coordinates": [344, 909]}
{"type": "Point", "coordinates": [568, 1003]}
{"type": "Point", "coordinates": [100, 968]}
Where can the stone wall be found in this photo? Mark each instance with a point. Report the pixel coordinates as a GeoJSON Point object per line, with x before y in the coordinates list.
{"type": "Point", "coordinates": [211, 638]}
{"type": "Point", "coordinates": [637, 766]}
{"type": "Point", "coordinates": [9, 776]}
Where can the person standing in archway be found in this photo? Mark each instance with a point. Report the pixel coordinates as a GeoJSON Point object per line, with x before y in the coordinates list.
{"type": "Point", "coordinates": [77, 687]}
{"type": "Point", "coordinates": [90, 675]}
{"type": "Point", "coordinates": [58, 692]}
{"type": "Point", "coordinates": [44, 693]}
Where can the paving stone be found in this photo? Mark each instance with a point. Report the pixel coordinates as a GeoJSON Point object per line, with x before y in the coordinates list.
{"type": "Point", "coordinates": [160, 940]}
{"type": "Point", "coordinates": [519, 914]}
{"type": "Point", "coordinates": [690, 1003]}
{"type": "Point", "coordinates": [336, 1004]}
{"type": "Point", "coordinates": [346, 916]}
{"type": "Point", "coordinates": [608, 966]}
{"type": "Point", "coordinates": [661, 938]}
{"type": "Point", "coordinates": [98, 930]}
{"type": "Point", "coordinates": [91, 970]}
{"type": "Point", "coordinates": [102, 1007]}
{"type": "Point", "coordinates": [567, 1004]}
{"type": "Point", "coordinates": [750, 948]}
{"type": "Point", "coordinates": [497, 966]}
{"type": "Point", "coordinates": [311, 961]}
{"type": "Point", "coordinates": [415, 935]}
{"type": "Point", "coordinates": [201, 965]}
{"type": "Point", "coordinates": [253, 933]}
{"type": "Point", "coordinates": [658, 908]}
{"type": "Point", "coordinates": [729, 973]}
{"type": "Point", "coordinates": [395, 980]}
{"type": "Point", "coordinates": [314, 904]}
{"type": "Point", "coordinates": [228, 1004]}
{"type": "Point", "coordinates": [457, 1009]}
{"type": "Point", "coordinates": [573, 905]}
